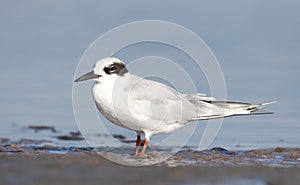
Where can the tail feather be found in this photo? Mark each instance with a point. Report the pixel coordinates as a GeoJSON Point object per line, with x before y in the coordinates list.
{"type": "Point", "coordinates": [257, 111]}
{"type": "Point", "coordinates": [232, 108]}
{"type": "Point", "coordinates": [259, 108]}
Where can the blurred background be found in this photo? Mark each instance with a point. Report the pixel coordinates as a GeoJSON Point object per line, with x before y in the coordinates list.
{"type": "Point", "coordinates": [257, 44]}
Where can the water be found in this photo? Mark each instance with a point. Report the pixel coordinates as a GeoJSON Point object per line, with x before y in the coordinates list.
{"type": "Point", "coordinates": [156, 155]}
{"type": "Point", "coordinates": [256, 46]}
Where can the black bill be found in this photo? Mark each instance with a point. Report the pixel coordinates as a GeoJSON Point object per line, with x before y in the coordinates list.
{"type": "Point", "coordinates": [87, 76]}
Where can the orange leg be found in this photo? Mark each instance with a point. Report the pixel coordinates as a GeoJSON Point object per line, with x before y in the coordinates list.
{"type": "Point", "coordinates": [145, 146]}
{"type": "Point", "coordinates": [138, 144]}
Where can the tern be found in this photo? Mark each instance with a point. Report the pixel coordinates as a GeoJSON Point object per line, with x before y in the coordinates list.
{"type": "Point", "coordinates": [149, 107]}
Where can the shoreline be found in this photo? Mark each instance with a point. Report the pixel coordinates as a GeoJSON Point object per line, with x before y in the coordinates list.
{"type": "Point", "coordinates": [30, 161]}
{"type": "Point", "coordinates": [280, 157]}
{"type": "Point", "coordinates": [93, 169]}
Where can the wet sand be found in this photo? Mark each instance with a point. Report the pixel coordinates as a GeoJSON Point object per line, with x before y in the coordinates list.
{"type": "Point", "coordinates": [93, 169]}
{"type": "Point", "coordinates": [159, 156]}
{"type": "Point", "coordinates": [29, 161]}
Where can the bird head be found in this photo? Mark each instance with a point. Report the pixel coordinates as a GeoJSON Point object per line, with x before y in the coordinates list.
{"type": "Point", "coordinates": [108, 67]}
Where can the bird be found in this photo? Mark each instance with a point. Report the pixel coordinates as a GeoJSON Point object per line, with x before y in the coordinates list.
{"type": "Point", "coordinates": [149, 107]}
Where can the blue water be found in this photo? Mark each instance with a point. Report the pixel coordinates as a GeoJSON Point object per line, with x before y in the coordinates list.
{"type": "Point", "coordinates": [256, 43]}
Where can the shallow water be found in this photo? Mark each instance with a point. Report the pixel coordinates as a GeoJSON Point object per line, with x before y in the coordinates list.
{"type": "Point", "coordinates": [92, 169]}
{"type": "Point", "coordinates": [160, 156]}
{"type": "Point", "coordinates": [62, 152]}
{"type": "Point", "coordinates": [43, 139]}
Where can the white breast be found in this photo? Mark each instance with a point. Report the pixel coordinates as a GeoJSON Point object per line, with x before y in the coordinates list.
{"type": "Point", "coordinates": [103, 97]}
{"type": "Point", "coordinates": [140, 105]}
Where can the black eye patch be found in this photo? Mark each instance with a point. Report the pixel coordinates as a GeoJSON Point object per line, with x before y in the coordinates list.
{"type": "Point", "coordinates": [115, 68]}
{"type": "Point", "coordinates": [111, 68]}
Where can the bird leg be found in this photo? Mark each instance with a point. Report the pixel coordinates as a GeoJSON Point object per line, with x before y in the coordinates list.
{"type": "Point", "coordinates": [138, 143]}
{"type": "Point", "coordinates": [145, 146]}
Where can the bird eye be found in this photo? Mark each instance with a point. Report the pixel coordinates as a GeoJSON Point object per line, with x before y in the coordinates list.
{"type": "Point", "coordinates": [111, 68]}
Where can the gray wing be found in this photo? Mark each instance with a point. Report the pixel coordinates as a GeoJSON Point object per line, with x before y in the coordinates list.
{"type": "Point", "coordinates": [150, 99]}
{"type": "Point", "coordinates": [198, 97]}
{"type": "Point", "coordinates": [218, 109]}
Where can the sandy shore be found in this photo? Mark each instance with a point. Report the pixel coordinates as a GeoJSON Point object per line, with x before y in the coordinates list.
{"type": "Point", "coordinates": [28, 161]}
{"type": "Point", "coordinates": [93, 169]}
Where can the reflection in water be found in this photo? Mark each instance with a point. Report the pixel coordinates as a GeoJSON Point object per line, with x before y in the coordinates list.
{"type": "Point", "coordinates": [161, 156]}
